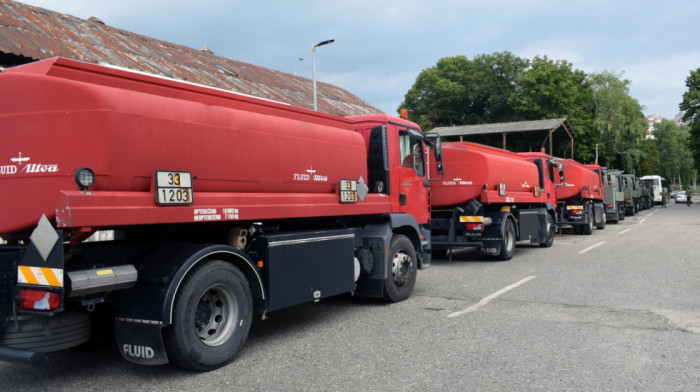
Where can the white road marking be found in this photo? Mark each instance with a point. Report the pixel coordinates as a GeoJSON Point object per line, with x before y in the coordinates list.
{"type": "Point", "coordinates": [488, 299]}
{"type": "Point", "coordinates": [591, 247]}
{"type": "Point", "coordinates": [624, 231]}
{"type": "Point", "coordinates": [642, 220]}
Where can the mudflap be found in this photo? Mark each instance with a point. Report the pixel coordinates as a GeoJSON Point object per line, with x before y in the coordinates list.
{"type": "Point", "coordinates": [542, 223]}
{"type": "Point", "coordinates": [138, 323]}
{"type": "Point", "coordinates": [491, 248]}
{"type": "Point", "coordinates": [493, 234]}
{"type": "Point", "coordinates": [139, 342]}
{"type": "Point", "coordinates": [376, 238]}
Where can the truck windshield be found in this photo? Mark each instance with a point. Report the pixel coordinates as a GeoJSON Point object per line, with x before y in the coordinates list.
{"type": "Point", "coordinates": [411, 153]}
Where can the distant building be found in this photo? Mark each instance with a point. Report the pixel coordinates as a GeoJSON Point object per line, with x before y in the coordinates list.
{"type": "Point", "coordinates": [678, 119]}
{"type": "Point", "coordinates": [652, 119]}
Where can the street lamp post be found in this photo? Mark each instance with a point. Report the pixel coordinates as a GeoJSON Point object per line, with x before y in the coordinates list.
{"type": "Point", "coordinates": [313, 65]}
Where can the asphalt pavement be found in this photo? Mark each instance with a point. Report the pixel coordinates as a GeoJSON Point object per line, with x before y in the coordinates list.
{"type": "Point", "coordinates": [612, 311]}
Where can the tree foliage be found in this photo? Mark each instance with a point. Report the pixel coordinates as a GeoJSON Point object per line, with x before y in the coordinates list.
{"type": "Point", "coordinates": [553, 89]}
{"type": "Point", "coordinates": [691, 106]}
{"type": "Point", "coordinates": [672, 143]}
{"type": "Point", "coordinates": [502, 87]}
{"type": "Point", "coordinates": [458, 91]}
{"type": "Point", "coordinates": [619, 122]}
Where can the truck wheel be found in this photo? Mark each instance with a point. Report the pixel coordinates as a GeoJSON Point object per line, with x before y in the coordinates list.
{"type": "Point", "coordinates": [60, 332]}
{"type": "Point", "coordinates": [508, 241]}
{"type": "Point", "coordinates": [617, 218]}
{"type": "Point", "coordinates": [399, 285]}
{"type": "Point", "coordinates": [551, 228]}
{"type": "Point", "coordinates": [621, 213]}
{"type": "Point", "coordinates": [601, 225]}
{"type": "Point", "coordinates": [550, 232]}
{"type": "Point", "coordinates": [212, 314]}
{"type": "Point", "coordinates": [588, 228]}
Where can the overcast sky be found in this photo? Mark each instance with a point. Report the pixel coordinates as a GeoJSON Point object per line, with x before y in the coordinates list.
{"type": "Point", "coordinates": [381, 46]}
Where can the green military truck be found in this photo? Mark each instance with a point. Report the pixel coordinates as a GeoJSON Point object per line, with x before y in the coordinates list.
{"type": "Point", "coordinates": [630, 184]}
{"type": "Point", "coordinates": [614, 195]}
{"type": "Point", "coordinates": [647, 188]}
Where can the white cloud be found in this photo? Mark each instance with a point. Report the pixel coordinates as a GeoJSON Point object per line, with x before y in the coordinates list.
{"type": "Point", "coordinates": [659, 83]}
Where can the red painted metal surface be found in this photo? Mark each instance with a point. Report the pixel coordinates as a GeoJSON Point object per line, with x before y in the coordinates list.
{"type": "Point", "coordinates": [404, 180]}
{"type": "Point", "coordinates": [475, 171]}
{"type": "Point", "coordinates": [580, 180]}
{"type": "Point", "coordinates": [251, 158]}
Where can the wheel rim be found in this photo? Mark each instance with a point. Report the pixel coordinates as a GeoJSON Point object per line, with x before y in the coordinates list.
{"type": "Point", "coordinates": [509, 240]}
{"type": "Point", "coordinates": [216, 315]}
{"type": "Point", "coordinates": [402, 265]}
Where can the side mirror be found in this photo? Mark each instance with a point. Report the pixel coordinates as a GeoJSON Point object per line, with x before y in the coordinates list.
{"type": "Point", "coordinates": [436, 146]}
{"type": "Point", "coordinates": [438, 149]}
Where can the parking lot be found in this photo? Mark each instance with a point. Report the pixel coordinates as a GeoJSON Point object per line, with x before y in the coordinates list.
{"type": "Point", "coordinates": [616, 310]}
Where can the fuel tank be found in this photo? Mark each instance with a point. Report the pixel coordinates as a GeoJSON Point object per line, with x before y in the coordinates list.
{"type": "Point", "coordinates": [60, 115]}
{"type": "Point", "coordinates": [580, 180]}
{"type": "Point", "coordinates": [471, 168]}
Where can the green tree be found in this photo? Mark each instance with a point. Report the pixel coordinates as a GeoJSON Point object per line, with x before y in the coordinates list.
{"type": "Point", "coordinates": [651, 163]}
{"type": "Point", "coordinates": [619, 123]}
{"type": "Point", "coordinates": [676, 158]}
{"type": "Point", "coordinates": [691, 106]}
{"type": "Point", "coordinates": [553, 89]}
{"type": "Point", "coordinates": [458, 91]}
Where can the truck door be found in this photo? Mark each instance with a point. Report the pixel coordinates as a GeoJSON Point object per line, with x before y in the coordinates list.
{"type": "Point", "coordinates": [413, 192]}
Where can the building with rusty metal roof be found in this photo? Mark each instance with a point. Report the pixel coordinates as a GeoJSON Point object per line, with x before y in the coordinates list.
{"type": "Point", "coordinates": [30, 33]}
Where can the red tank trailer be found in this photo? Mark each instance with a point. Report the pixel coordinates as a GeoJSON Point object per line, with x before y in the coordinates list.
{"type": "Point", "coordinates": [219, 205]}
{"type": "Point", "coordinates": [580, 195]}
{"type": "Point", "coordinates": [491, 198]}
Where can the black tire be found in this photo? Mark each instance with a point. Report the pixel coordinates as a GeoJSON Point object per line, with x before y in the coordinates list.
{"type": "Point", "coordinates": [60, 332]}
{"type": "Point", "coordinates": [621, 213]}
{"type": "Point", "coordinates": [577, 229]}
{"type": "Point", "coordinates": [212, 314]}
{"type": "Point", "coordinates": [601, 225]}
{"type": "Point", "coordinates": [507, 241]}
{"type": "Point", "coordinates": [550, 232]}
{"type": "Point", "coordinates": [617, 218]}
{"type": "Point", "coordinates": [399, 285]}
{"type": "Point", "coordinates": [587, 229]}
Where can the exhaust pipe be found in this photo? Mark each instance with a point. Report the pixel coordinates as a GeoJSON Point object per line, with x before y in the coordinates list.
{"type": "Point", "coordinates": [10, 354]}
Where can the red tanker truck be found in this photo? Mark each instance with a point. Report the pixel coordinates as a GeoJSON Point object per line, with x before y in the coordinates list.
{"type": "Point", "coordinates": [581, 199]}
{"type": "Point", "coordinates": [580, 195]}
{"type": "Point", "coordinates": [220, 205]}
{"type": "Point", "coordinates": [491, 198]}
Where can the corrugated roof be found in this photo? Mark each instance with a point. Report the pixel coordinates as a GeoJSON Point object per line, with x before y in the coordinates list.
{"type": "Point", "coordinates": [39, 34]}
{"type": "Point", "coordinates": [517, 126]}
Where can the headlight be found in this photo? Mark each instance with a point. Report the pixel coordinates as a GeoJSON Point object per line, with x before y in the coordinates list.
{"type": "Point", "coordinates": [84, 177]}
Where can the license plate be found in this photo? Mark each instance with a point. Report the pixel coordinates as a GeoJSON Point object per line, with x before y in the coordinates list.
{"type": "Point", "coordinates": [173, 188]}
{"type": "Point", "coordinates": [348, 191]}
